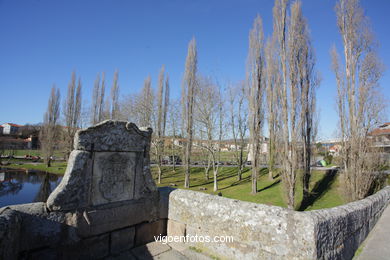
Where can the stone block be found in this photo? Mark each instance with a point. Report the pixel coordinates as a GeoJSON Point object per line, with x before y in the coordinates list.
{"type": "Point", "coordinates": [122, 240]}
{"type": "Point", "coordinates": [97, 247]}
{"type": "Point", "coordinates": [192, 254]}
{"type": "Point", "coordinates": [114, 176]}
{"type": "Point", "coordinates": [47, 254]}
{"type": "Point", "coordinates": [128, 213]}
{"type": "Point", "coordinates": [176, 228]}
{"type": "Point", "coordinates": [126, 255]}
{"type": "Point", "coordinates": [172, 254]}
{"type": "Point", "coordinates": [164, 201]}
{"type": "Point", "coordinates": [41, 228]}
{"type": "Point", "coordinates": [10, 226]}
{"type": "Point", "coordinates": [146, 232]}
{"type": "Point", "coordinates": [74, 190]}
{"type": "Point", "coordinates": [150, 250]}
{"type": "Point", "coordinates": [257, 230]}
{"type": "Point", "coordinates": [112, 135]}
{"type": "Point", "coordinates": [144, 183]}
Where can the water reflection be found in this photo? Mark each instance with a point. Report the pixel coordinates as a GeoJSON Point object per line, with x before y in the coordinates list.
{"type": "Point", "coordinates": [21, 186]}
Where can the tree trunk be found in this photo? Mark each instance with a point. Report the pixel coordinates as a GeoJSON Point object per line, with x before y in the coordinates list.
{"type": "Point", "coordinates": [254, 180]}
{"type": "Point", "coordinates": [215, 180]}
{"type": "Point", "coordinates": [159, 172]}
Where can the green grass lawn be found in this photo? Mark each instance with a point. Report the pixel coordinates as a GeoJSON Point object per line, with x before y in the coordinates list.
{"type": "Point", "coordinates": [56, 167]}
{"type": "Point", "coordinates": [57, 153]}
{"type": "Point", "coordinates": [326, 191]}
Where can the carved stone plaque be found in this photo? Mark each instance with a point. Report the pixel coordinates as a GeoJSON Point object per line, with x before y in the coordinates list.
{"type": "Point", "coordinates": [113, 177]}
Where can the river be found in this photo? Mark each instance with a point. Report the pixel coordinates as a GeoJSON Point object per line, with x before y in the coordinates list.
{"type": "Point", "coordinates": [18, 186]}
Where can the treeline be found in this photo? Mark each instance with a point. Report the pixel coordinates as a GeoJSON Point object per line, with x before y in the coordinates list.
{"type": "Point", "coordinates": [279, 92]}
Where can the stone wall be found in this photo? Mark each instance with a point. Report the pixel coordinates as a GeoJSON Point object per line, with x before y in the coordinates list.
{"type": "Point", "coordinates": [266, 232]}
{"type": "Point", "coordinates": [339, 231]}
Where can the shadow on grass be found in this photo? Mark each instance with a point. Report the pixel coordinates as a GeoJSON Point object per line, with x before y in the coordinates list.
{"type": "Point", "coordinates": [319, 189]}
{"type": "Point", "coordinates": [243, 180]}
{"type": "Point", "coordinates": [211, 179]}
{"type": "Point", "coordinates": [269, 186]}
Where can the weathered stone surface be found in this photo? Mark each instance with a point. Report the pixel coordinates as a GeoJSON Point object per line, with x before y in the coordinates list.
{"type": "Point", "coordinates": [40, 228]}
{"type": "Point", "coordinates": [47, 254]}
{"type": "Point", "coordinates": [150, 250]}
{"type": "Point", "coordinates": [191, 254]}
{"type": "Point", "coordinates": [10, 226]}
{"type": "Point", "coordinates": [262, 232]}
{"type": "Point", "coordinates": [97, 247]}
{"type": "Point", "coordinates": [115, 136]}
{"type": "Point", "coordinates": [113, 177]}
{"type": "Point", "coordinates": [102, 220]}
{"type": "Point", "coordinates": [172, 255]}
{"type": "Point", "coordinates": [110, 165]}
{"type": "Point", "coordinates": [126, 255]}
{"type": "Point", "coordinates": [146, 232]}
{"type": "Point", "coordinates": [339, 231]}
{"type": "Point", "coordinates": [74, 189]}
{"type": "Point", "coordinates": [122, 240]}
{"type": "Point", "coordinates": [176, 228]}
{"type": "Point", "coordinates": [164, 201]}
{"type": "Point", "coordinates": [258, 230]}
{"type": "Point", "coordinates": [144, 183]}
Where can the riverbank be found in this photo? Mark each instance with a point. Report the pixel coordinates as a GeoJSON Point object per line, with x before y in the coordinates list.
{"type": "Point", "coordinates": [56, 168]}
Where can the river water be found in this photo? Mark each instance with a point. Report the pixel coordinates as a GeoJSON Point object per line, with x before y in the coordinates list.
{"type": "Point", "coordinates": [19, 186]}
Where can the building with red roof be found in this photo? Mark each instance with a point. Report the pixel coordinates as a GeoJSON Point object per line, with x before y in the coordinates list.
{"type": "Point", "coordinates": [381, 136]}
{"type": "Point", "coordinates": [10, 128]}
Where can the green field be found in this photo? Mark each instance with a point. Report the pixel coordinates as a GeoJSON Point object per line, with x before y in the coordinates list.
{"type": "Point", "coordinates": [326, 190]}
{"type": "Point", "coordinates": [57, 153]}
{"type": "Point", "coordinates": [56, 168]}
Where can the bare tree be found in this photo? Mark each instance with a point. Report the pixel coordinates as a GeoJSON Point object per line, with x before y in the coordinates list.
{"type": "Point", "coordinates": [97, 108]}
{"type": "Point", "coordinates": [114, 109]}
{"type": "Point", "coordinates": [188, 91]}
{"type": "Point", "coordinates": [101, 114]}
{"type": "Point", "coordinates": [161, 120]}
{"type": "Point", "coordinates": [166, 105]}
{"type": "Point", "coordinates": [273, 81]}
{"type": "Point", "coordinates": [174, 126]}
{"type": "Point", "coordinates": [95, 101]}
{"type": "Point", "coordinates": [208, 118]}
{"type": "Point", "coordinates": [359, 100]}
{"type": "Point", "coordinates": [49, 131]}
{"type": "Point", "coordinates": [72, 111]}
{"type": "Point", "coordinates": [287, 93]}
{"type": "Point", "coordinates": [303, 83]}
{"type": "Point", "coordinates": [255, 79]}
{"type": "Point", "coordinates": [146, 103]}
{"type": "Point", "coordinates": [238, 124]}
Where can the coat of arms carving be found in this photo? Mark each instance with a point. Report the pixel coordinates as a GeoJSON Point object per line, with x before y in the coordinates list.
{"type": "Point", "coordinates": [117, 177]}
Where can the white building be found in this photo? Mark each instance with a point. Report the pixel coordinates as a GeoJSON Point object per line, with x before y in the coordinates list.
{"type": "Point", "coordinates": [10, 129]}
{"type": "Point", "coordinates": [263, 150]}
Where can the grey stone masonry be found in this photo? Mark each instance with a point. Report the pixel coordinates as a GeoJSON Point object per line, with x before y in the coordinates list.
{"type": "Point", "coordinates": [110, 164]}
{"type": "Point", "coordinates": [258, 231]}
{"type": "Point", "coordinates": [267, 232]}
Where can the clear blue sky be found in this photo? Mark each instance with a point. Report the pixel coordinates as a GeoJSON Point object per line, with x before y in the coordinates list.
{"type": "Point", "coordinates": [43, 41]}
